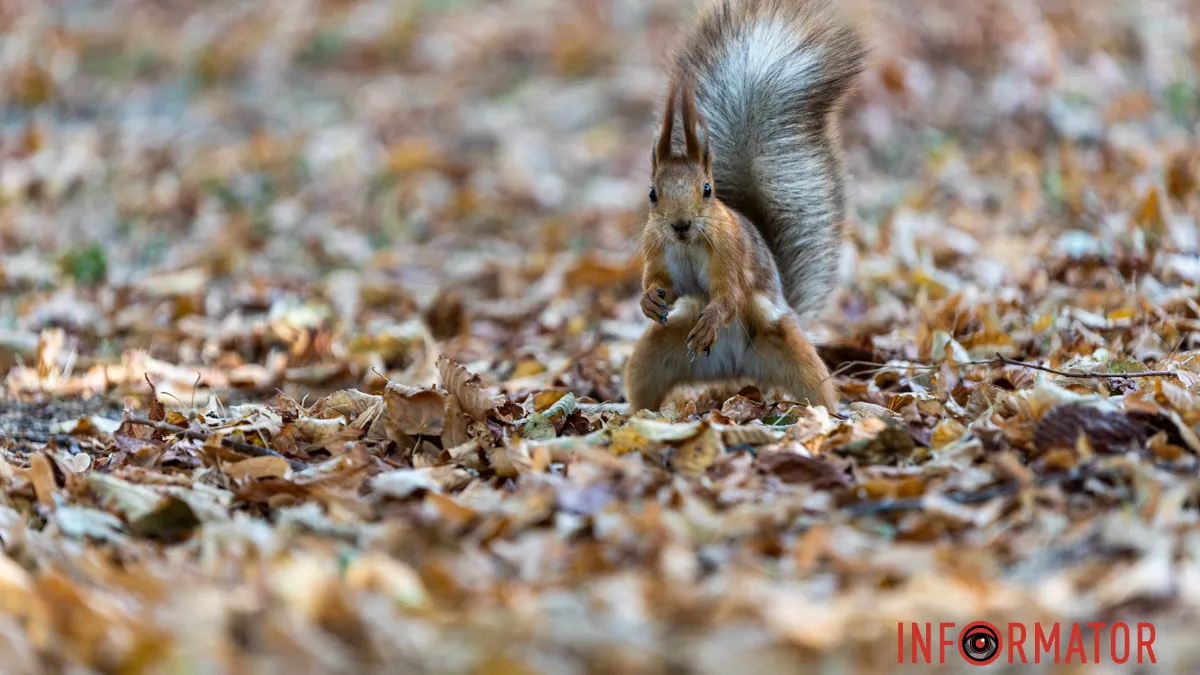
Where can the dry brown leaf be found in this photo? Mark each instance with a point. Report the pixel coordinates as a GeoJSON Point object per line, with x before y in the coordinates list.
{"type": "Point", "coordinates": [258, 467]}
{"type": "Point", "coordinates": [740, 409]}
{"type": "Point", "coordinates": [465, 386]}
{"type": "Point", "coordinates": [450, 510]}
{"type": "Point", "coordinates": [457, 427]}
{"type": "Point", "coordinates": [792, 467]}
{"type": "Point", "coordinates": [349, 403]}
{"type": "Point", "coordinates": [626, 440]}
{"type": "Point", "coordinates": [946, 432]}
{"type": "Point", "coordinates": [415, 411]}
{"type": "Point", "coordinates": [1105, 428]}
{"type": "Point", "coordinates": [41, 474]}
{"type": "Point", "coordinates": [752, 435]}
{"type": "Point", "coordinates": [694, 454]}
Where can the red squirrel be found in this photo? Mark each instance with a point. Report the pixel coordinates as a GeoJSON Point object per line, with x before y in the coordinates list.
{"type": "Point", "coordinates": [746, 204]}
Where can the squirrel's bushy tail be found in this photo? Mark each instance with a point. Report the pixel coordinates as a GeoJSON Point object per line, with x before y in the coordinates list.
{"type": "Point", "coordinates": [770, 76]}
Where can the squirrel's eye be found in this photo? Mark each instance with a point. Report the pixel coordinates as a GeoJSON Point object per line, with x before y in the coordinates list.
{"type": "Point", "coordinates": [707, 190]}
{"type": "Point", "coordinates": [653, 194]}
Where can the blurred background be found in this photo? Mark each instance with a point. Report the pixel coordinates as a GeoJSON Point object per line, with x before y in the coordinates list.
{"type": "Point", "coordinates": [301, 196]}
{"type": "Point", "coordinates": [291, 192]}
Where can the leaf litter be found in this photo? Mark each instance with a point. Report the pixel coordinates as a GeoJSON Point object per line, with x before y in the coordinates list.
{"type": "Point", "coordinates": [313, 323]}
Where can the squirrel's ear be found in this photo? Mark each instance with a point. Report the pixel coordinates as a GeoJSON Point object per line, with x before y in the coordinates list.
{"type": "Point", "coordinates": [691, 120]}
{"type": "Point", "coordinates": [706, 150]}
{"type": "Point", "coordinates": [663, 148]}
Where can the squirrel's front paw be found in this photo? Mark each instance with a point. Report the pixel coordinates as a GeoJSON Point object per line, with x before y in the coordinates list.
{"type": "Point", "coordinates": [656, 303]}
{"type": "Point", "coordinates": [703, 335]}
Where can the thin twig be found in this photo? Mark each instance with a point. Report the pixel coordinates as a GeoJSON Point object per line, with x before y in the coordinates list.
{"type": "Point", "coordinates": [240, 446]}
{"type": "Point", "coordinates": [1144, 373]}
{"type": "Point", "coordinates": [876, 368]}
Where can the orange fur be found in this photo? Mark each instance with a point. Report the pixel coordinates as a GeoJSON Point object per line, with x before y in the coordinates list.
{"type": "Point", "coordinates": [710, 283]}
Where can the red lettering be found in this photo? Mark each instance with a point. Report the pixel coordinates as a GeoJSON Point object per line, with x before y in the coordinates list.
{"type": "Point", "coordinates": [943, 641]}
{"type": "Point", "coordinates": [1112, 642]}
{"type": "Point", "coordinates": [922, 642]}
{"type": "Point", "coordinates": [1045, 642]}
{"type": "Point", "coordinates": [1075, 644]}
{"type": "Point", "coordinates": [1096, 626]}
{"type": "Point", "coordinates": [1015, 643]}
{"type": "Point", "coordinates": [1147, 642]}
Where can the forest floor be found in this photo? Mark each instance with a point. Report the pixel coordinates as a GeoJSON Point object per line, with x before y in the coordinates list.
{"type": "Point", "coordinates": [314, 313]}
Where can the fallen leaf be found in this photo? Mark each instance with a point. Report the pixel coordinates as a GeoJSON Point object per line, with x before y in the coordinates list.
{"type": "Point", "coordinates": [41, 474]}
{"type": "Point", "coordinates": [417, 412]}
{"type": "Point", "coordinates": [403, 483]}
{"type": "Point", "coordinates": [792, 467]}
{"type": "Point", "coordinates": [1107, 429]}
{"type": "Point", "coordinates": [694, 455]}
{"type": "Point", "coordinates": [465, 386]}
{"type": "Point", "coordinates": [258, 467]}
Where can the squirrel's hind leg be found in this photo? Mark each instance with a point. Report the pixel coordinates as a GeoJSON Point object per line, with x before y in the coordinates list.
{"type": "Point", "coordinates": [660, 360]}
{"type": "Point", "coordinates": [786, 359]}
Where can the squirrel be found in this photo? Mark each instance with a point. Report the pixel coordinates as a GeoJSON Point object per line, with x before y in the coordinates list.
{"type": "Point", "coordinates": [745, 225]}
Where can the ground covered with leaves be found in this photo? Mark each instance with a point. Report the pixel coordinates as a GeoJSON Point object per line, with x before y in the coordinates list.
{"type": "Point", "coordinates": [314, 314]}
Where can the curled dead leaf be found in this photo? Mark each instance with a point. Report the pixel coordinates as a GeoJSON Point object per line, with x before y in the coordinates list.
{"type": "Point", "coordinates": [538, 427]}
{"type": "Point", "coordinates": [666, 432]}
{"type": "Point", "coordinates": [316, 429]}
{"type": "Point", "coordinates": [466, 387]}
{"type": "Point", "coordinates": [348, 402]}
{"type": "Point", "coordinates": [740, 409]}
{"type": "Point", "coordinates": [520, 457]}
{"type": "Point", "coordinates": [695, 454]}
{"type": "Point", "coordinates": [1105, 428]}
{"type": "Point", "coordinates": [752, 435]}
{"type": "Point", "coordinates": [416, 411]}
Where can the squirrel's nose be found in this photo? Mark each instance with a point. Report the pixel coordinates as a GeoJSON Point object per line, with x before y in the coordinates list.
{"type": "Point", "coordinates": [681, 227]}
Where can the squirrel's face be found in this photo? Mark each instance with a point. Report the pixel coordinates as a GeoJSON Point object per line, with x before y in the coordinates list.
{"type": "Point", "coordinates": [680, 198]}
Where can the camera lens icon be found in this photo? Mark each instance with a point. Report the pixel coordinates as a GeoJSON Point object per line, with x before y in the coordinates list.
{"type": "Point", "coordinates": [979, 643]}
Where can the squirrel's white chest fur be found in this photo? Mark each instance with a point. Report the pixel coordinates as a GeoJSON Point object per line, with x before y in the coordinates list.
{"type": "Point", "coordinates": [733, 352]}
{"type": "Point", "coordinates": [688, 267]}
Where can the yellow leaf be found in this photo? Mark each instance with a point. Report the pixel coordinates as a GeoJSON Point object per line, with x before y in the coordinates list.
{"type": "Point", "coordinates": [946, 432]}
{"type": "Point", "coordinates": [626, 440]}
{"type": "Point", "coordinates": [527, 368]}
{"type": "Point", "coordinates": [1152, 213]}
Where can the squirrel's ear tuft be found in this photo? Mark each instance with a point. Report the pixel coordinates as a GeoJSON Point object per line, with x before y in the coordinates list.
{"type": "Point", "coordinates": [663, 148]}
{"type": "Point", "coordinates": [691, 121]}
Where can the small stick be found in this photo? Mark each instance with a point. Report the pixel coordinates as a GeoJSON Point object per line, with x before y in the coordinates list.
{"type": "Point", "coordinates": [240, 446]}
{"type": "Point", "coordinates": [1145, 373]}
